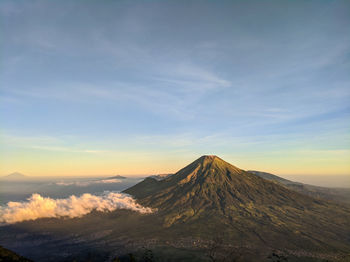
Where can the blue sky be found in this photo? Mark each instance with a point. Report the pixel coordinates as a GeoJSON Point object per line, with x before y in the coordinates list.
{"type": "Point", "coordinates": [148, 86]}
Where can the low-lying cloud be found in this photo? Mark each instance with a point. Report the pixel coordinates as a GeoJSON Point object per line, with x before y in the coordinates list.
{"type": "Point", "coordinates": [38, 206]}
{"type": "Point", "coordinates": [89, 183]}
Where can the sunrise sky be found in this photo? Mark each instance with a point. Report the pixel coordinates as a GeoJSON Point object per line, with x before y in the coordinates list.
{"type": "Point", "coordinates": [143, 87]}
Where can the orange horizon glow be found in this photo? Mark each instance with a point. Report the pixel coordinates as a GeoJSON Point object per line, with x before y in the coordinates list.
{"type": "Point", "coordinates": [141, 164]}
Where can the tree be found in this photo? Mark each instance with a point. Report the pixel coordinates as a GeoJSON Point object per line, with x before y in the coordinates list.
{"type": "Point", "coordinates": [147, 256]}
{"type": "Point", "coordinates": [218, 252]}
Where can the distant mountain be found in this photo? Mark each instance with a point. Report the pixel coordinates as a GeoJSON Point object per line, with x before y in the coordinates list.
{"type": "Point", "coordinates": [160, 176]}
{"type": "Point", "coordinates": [272, 177]}
{"type": "Point", "coordinates": [341, 195]}
{"type": "Point", "coordinates": [211, 196]}
{"type": "Point", "coordinates": [15, 176]}
{"type": "Point", "coordinates": [117, 177]}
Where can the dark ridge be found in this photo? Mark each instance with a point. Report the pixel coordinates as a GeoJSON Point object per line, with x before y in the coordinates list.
{"type": "Point", "coordinates": [9, 256]}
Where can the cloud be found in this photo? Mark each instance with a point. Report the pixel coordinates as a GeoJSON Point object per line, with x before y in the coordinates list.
{"type": "Point", "coordinates": [88, 183]}
{"type": "Point", "coordinates": [38, 206]}
{"type": "Point", "coordinates": [47, 143]}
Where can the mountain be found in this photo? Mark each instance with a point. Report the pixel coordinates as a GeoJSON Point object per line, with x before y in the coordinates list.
{"type": "Point", "coordinates": [211, 196]}
{"type": "Point", "coordinates": [15, 176]}
{"type": "Point", "coordinates": [9, 256]}
{"type": "Point", "coordinates": [272, 177]}
{"type": "Point", "coordinates": [160, 176]}
{"type": "Point", "coordinates": [208, 211]}
{"type": "Point", "coordinates": [340, 195]}
{"type": "Point", "coordinates": [117, 177]}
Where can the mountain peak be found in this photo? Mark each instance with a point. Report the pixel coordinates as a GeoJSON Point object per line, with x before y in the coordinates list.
{"type": "Point", "coordinates": [210, 164]}
{"type": "Point", "coordinates": [209, 157]}
{"type": "Point", "coordinates": [15, 176]}
{"type": "Point", "coordinates": [213, 186]}
{"type": "Point", "coordinates": [210, 195]}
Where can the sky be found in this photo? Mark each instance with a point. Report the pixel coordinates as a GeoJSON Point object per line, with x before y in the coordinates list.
{"type": "Point", "coordinates": [145, 87]}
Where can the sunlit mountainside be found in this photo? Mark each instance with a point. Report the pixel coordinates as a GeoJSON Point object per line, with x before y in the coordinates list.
{"type": "Point", "coordinates": [210, 196]}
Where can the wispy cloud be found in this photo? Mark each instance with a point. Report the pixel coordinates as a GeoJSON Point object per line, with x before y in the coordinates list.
{"type": "Point", "coordinates": [168, 89]}
{"type": "Point", "coordinates": [149, 82]}
{"type": "Point", "coordinates": [67, 149]}
{"type": "Point", "coordinates": [46, 143]}
{"type": "Point", "coordinates": [38, 206]}
{"type": "Point", "coordinates": [89, 183]}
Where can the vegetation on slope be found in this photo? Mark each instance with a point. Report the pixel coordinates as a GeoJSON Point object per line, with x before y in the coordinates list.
{"type": "Point", "coordinates": [211, 195]}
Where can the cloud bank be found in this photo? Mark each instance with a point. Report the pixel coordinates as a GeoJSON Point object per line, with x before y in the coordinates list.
{"type": "Point", "coordinates": [89, 183]}
{"type": "Point", "coordinates": [37, 206]}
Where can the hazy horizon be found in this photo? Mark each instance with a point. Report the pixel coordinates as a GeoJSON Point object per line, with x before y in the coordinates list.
{"type": "Point", "coordinates": [147, 87]}
{"type": "Point", "coordinates": [339, 181]}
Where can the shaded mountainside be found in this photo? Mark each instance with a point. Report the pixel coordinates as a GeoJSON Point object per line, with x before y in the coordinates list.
{"type": "Point", "coordinates": [211, 196]}
{"type": "Point", "coordinates": [9, 256]}
{"type": "Point", "coordinates": [341, 195]}
{"type": "Point", "coordinates": [272, 177]}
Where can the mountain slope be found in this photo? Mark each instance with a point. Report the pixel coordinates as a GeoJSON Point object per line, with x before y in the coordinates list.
{"type": "Point", "coordinates": [9, 256]}
{"type": "Point", "coordinates": [210, 196]}
{"type": "Point", "coordinates": [272, 177]}
{"type": "Point", "coordinates": [340, 195]}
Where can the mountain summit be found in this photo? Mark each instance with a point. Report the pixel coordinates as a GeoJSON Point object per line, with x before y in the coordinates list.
{"type": "Point", "coordinates": [210, 196]}
{"type": "Point", "coordinates": [211, 185]}
{"type": "Point", "coordinates": [15, 176]}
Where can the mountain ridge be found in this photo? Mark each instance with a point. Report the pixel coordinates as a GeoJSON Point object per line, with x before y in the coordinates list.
{"type": "Point", "coordinates": [117, 177]}
{"type": "Point", "coordinates": [243, 205]}
{"type": "Point", "coordinates": [339, 195]}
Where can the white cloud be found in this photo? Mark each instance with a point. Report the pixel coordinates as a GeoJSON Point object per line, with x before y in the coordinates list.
{"type": "Point", "coordinates": [38, 206]}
